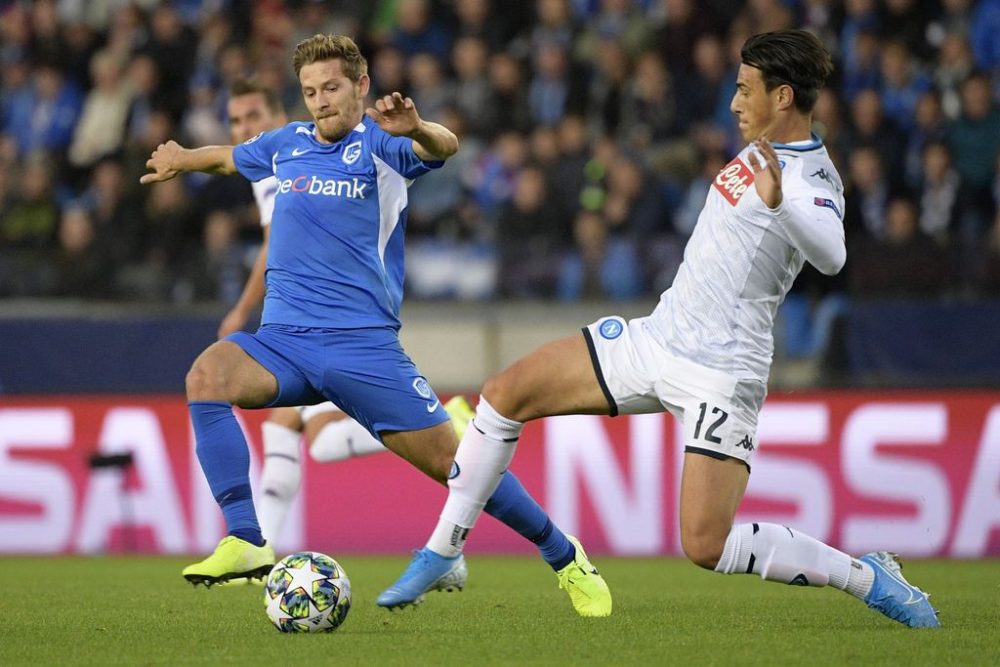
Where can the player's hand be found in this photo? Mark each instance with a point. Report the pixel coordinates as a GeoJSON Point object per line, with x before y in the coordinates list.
{"type": "Point", "coordinates": [395, 114]}
{"type": "Point", "coordinates": [162, 163]}
{"type": "Point", "coordinates": [231, 323]}
{"type": "Point", "coordinates": [767, 175]}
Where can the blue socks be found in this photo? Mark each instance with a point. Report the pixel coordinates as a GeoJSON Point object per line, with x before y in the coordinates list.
{"type": "Point", "coordinates": [512, 505]}
{"type": "Point", "coordinates": [225, 460]}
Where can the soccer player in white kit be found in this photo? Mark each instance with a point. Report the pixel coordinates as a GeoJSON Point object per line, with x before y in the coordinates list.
{"type": "Point", "coordinates": [704, 353]}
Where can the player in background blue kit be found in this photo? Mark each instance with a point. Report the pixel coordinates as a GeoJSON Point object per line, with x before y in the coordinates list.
{"type": "Point", "coordinates": [329, 329]}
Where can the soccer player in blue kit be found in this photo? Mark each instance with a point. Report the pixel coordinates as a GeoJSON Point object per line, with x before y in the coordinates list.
{"type": "Point", "coordinates": [329, 329]}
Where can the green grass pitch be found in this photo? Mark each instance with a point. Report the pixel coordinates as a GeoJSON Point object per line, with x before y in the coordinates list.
{"type": "Point", "coordinates": [139, 611]}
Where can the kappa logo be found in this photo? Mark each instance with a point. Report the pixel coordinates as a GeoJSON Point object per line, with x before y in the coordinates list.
{"type": "Point", "coordinates": [351, 153]}
{"type": "Point", "coordinates": [611, 329]}
{"type": "Point", "coordinates": [746, 443]}
{"type": "Point", "coordinates": [734, 179]}
{"type": "Point", "coordinates": [824, 175]}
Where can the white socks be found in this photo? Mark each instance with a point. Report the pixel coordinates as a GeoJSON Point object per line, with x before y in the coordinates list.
{"type": "Point", "coordinates": [343, 439]}
{"type": "Point", "coordinates": [280, 479]}
{"type": "Point", "coordinates": [481, 460]}
{"type": "Point", "coordinates": [778, 553]}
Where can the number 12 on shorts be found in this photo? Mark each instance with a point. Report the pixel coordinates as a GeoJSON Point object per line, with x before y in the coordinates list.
{"type": "Point", "coordinates": [710, 431]}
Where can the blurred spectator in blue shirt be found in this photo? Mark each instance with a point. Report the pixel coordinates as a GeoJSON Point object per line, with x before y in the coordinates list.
{"type": "Point", "coordinates": [902, 83]}
{"type": "Point", "coordinates": [43, 115]}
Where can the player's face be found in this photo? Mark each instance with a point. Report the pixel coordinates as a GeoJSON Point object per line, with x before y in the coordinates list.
{"type": "Point", "coordinates": [249, 115]}
{"type": "Point", "coordinates": [335, 102]}
{"type": "Point", "coordinates": [754, 106]}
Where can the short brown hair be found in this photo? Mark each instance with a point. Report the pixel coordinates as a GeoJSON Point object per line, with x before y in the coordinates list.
{"type": "Point", "coordinates": [330, 47]}
{"type": "Point", "coordinates": [242, 87]}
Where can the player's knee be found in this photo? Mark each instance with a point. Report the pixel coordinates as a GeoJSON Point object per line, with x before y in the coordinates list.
{"type": "Point", "coordinates": [702, 546]}
{"type": "Point", "coordinates": [501, 392]}
{"type": "Point", "coordinates": [204, 382]}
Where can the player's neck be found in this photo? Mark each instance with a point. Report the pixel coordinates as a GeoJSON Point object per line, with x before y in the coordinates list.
{"type": "Point", "coordinates": [789, 129]}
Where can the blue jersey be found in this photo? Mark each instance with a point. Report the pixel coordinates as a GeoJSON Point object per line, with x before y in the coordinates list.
{"type": "Point", "coordinates": [336, 253]}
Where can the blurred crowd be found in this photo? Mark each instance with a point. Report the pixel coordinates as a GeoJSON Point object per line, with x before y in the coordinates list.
{"type": "Point", "coordinates": [590, 133]}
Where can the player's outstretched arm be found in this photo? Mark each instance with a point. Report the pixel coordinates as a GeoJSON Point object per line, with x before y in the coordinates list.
{"type": "Point", "coordinates": [171, 158]}
{"type": "Point", "coordinates": [398, 116]}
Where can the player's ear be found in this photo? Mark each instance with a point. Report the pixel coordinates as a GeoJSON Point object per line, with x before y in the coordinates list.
{"type": "Point", "coordinates": [786, 96]}
{"type": "Point", "coordinates": [364, 83]}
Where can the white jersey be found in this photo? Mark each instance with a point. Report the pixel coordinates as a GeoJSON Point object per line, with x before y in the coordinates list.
{"type": "Point", "coordinates": [263, 193]}
{"type": "Point", "coordinates": [742, 258]}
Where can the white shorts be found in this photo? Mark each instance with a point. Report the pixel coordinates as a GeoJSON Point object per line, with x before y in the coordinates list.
{"type": "Point", "coordinates": [309, 411]}
{"type": "Point", "coordinates": [638, 376]}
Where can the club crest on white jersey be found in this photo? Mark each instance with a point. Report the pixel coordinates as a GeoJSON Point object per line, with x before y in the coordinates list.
{"type": "Point", "coordinates": [734, 179]}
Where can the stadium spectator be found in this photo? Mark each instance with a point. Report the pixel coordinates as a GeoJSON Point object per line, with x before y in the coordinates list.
{"type": "Point", "coordinates": [684, 21]}
{"type": "Point", "coordinates": [870, 128]}
{"type": "Point", "coordinates": [649, 113]}
{"type": "Point", "coordinates": [607, 89]}
{"type": "Point", "coordinates": [940, 189]}
{"type": "Point", "coordinates": [101, 129]}
{"type": "Point", "coordinates": [904, 262]}
{"type": "Point", "coordinates": [975, 142]}
{"type": "Point", "coordinates": [531, 239]}
{"type": "Point", "coordinates": [509, 94]}
{"type": "Point", "coordinates": [80, 267]}
{"type": "Point", "coordinates": [417, 31]}
{"type": "Point", "coordinates": [929, 125]}
{"type": "Point", "coordinates": [43, 114]}
{"type": "Point", "coordinates": [431, 91]}
{"type": "Point", "coordinates": [867, 193]}
{"type": "Point", "coordinates": [902, 84]}
{"type": "Point", "coordinates": [214, 271]}
{"type": "Point", "coordinates": [479, 19]}
{"type": "Point", "coordinates": [472, 92]}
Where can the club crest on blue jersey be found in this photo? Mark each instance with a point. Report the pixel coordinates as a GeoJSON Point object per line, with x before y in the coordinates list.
{"type": "Point", "coordinates": [351, 153]}
{"type": "Point", "coordinates": [611, 329]}
{"type": "Point", "coordinates": [827, 203]}
{"type": "Point", "coordinates": [421, 387]}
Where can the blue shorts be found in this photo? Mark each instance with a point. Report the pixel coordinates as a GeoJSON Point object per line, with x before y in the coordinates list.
{"type": "Point", "coordinates": [364, 371]}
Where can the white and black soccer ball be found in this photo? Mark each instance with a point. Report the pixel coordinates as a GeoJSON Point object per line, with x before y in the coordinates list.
{"type": "Point", "coordinates": [307, 592]}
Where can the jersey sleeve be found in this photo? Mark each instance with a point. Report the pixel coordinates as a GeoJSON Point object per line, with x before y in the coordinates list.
{"type": "Point", "coordinates": [254, 157]}
{"type": "Point", "coordinates": [398, 153]}
{"type": "Point", "coordinates": [812, 220]}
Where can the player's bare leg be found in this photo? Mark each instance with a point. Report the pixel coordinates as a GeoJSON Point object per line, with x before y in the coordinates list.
{"type": "Point", "coordinates": [556, 379]}
{"type": "Point", "coordinates": [711, 490]}
{"type": "Point", "coordinates": [222, 376]}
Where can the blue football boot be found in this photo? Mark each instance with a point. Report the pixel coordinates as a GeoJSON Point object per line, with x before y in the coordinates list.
{"type": "Point", "coordinates": [894, 596]}
{"type": "Point", "coordinates": [426, 572]}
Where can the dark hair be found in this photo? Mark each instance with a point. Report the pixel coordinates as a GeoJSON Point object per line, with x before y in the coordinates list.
{"type": "Point", "coordinates": [242, 87]}
{"type": "Point", "coordinates": [790, 57]}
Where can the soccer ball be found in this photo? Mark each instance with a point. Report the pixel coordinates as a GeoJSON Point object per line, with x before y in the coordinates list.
{"type": "Point", "coordinates": [307, 592]}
